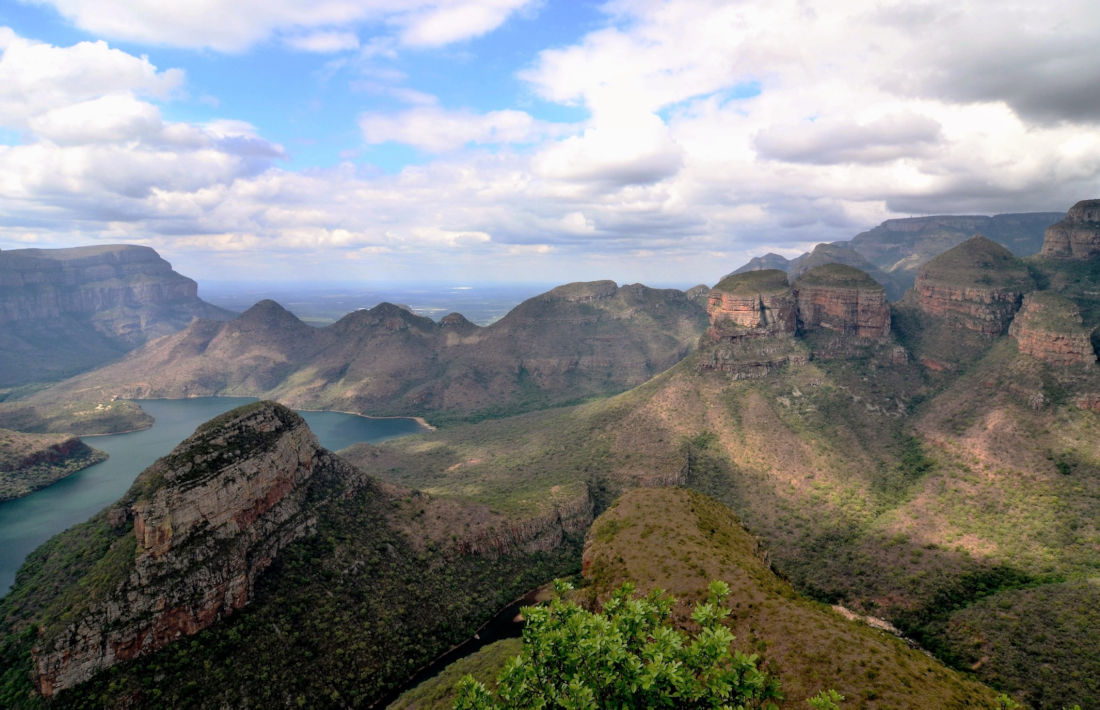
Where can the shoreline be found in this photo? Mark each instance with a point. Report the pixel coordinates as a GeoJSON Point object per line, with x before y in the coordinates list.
{"type": "Point", "coordinates": [421, 421]}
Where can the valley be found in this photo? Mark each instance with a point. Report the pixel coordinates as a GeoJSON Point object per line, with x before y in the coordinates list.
{"type": "Point", "coordinates": [931, 460]}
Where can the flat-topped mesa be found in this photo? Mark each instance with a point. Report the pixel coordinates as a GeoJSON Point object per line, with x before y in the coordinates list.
{"type": "Point", "coordinates": [1049, 327]}
{"type": "Point", "coordinates": [207, 520]}
{"type": "Point", "coordinates": [752, 304]}
{"type": "Point", "coordinates": [842, 299]}
{"type": "Point", "coordinates": [976, 286]}
{"type": "Point", "coordinates": [1077, 236]}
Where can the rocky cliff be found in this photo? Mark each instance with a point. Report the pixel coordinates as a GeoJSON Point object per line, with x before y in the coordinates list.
{"type": "Point", "coordinates": [753, 319]}
{"type": "Point", "coordinates": [844, 300]}
{"type": "Point", "coordinates": [64, 310]}
{"type": "Point", "coordinates": [976, 286]}
{"type": "Point", "coordinates": [32, 461]}
{"type": "Point", "coordinates": [1077, 235]}
{"type": "Point", "coordinates": [1049, 327]}
{"type": "Point", "coordinates": [206, 520]}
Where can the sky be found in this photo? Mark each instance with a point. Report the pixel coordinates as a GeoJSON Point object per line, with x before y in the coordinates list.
{"type": "Point", "coordinates": [530, 140]}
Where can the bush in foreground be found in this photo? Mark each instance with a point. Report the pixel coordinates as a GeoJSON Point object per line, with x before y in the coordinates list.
{"type": "Point", "coordinates": [628, 655]}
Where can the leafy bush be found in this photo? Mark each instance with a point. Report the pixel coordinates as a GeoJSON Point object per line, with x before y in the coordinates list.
{"type": "Point", "coordinates": [627, 656]}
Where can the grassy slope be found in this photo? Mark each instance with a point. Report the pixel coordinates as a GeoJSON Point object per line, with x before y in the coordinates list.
{"type": "Point", "coordinates": [856, 503]}
{"type": "Point", "coordinates": [437, 693]}
{"type": "Point", "coordinates": [679, 540]}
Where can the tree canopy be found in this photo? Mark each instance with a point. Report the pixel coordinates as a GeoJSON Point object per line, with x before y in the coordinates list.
{"type": "Point", "coordinates": [628, 656]}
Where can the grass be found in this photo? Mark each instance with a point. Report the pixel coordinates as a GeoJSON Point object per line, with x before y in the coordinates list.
{"type": "Point", "coordinates": [438, 693]}
{"type": "Point", "coordinates": [750, 283]}
{"type": "Point", "coordinates": [837, 276]}
{"type": "Point", "coordinates": [679, 540]}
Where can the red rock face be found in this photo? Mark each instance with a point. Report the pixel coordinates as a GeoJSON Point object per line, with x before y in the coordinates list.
{"type": "Point", "coordinates": [737, 316]}
{"type": "Point", "coordinates": [1077, 236]}
{"type": "Point", "coordinates": [985, 311]}
{"type": "Point", "coordinates": [1056, 348]}
{"type": "Point", "coordinates": [1050, 328]}
{"type": "Point", "coordinates": [863, 313]}
{"type": "Point", "coordinates": [203, 537]}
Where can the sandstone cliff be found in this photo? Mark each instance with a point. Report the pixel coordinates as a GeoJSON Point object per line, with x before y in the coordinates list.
{"type": "Point", "coordinates": [63, 310]}
{"type": "Point", "coordinates": [1077, 235]}
{"type": "Point", "coordinates": [976, 286]}
{"type": "Point", "coordinates": [206, 520]}
{"type": "Point", "coordinates": [1049, 327]}
{"type": "Point", "coordinates": [753, 320]}
{"type": "Point", "coordinates": [844, 300]}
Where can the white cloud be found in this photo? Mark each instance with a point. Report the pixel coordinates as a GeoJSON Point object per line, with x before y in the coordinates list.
{"type": "Point", "coordinates": [437, 130]}
{"type": "Point", "coordinates": [323, 42]}
{"type": "Point", "coordinates": [446, 22]}
{"type": "Point", "coordinates": [320, 25]}
{"type": "Point", "coordinates": [681, 171]}
{"type": "Point", "coordinates": [37, 77]}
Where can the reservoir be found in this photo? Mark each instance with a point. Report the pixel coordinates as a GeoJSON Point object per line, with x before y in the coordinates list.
{"type": "Point", "coordinates": [26, 523]}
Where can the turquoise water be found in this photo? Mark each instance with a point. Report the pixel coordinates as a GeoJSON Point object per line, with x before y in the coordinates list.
{"type": "Point", "coordinates": [25, 523]}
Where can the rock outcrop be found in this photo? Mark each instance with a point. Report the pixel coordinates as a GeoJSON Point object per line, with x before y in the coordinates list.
{"type": "Point", "coordinates": [977, 286]}
{"type": "Point", "coordinates": [206, 520]}
{"type": "Point", "coordinates": [63, 310]}
{"type": "Point", "coordinates": [844, 300]}
{"type": "Point", "coordinates": [32, 461]}
{"type": "Point", "coordinates": [892, 252]}
{"type": "Point", "coordinates": [753, 320]}
{"type": "Point", "coordinates": [1077, 235]}
{"type": "Point", "coordinates": [1049, 327]}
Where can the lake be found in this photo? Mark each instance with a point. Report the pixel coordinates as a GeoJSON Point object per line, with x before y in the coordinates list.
{"type": "Point", "coordinates": [26, 523]}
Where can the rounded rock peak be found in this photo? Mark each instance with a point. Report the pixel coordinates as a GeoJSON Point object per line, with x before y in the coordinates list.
{"type": "Point", "coordinates": [1084, 211]}
{"type": "Point", "coordinates": [752, 282]}
{"type": "Point", "coordinates": [979, 262]}
{"type": "Point", "coordinates": [837, 275]}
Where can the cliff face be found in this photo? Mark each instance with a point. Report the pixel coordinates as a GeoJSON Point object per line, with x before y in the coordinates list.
{"type": "Point", "coordinates": [206, 522]}
{"type": "Point", "coordinates": [69, 309]}
{"type": "Point", "coordinates": [977, 286]}
{"type": "Point", "coordinates": [1077, 235]}
{"type": "Point", "coordinates": [1049, 327]}
{"type": "Point", "coordinates": [844, 300]}
{"type": "Point", "coordinates": [753, 319]}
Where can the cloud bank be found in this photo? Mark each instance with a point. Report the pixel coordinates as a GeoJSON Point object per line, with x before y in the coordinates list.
{"type": "Point", "coordinates": [857, 112]}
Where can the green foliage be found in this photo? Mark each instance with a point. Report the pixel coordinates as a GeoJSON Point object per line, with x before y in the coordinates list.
{"type": "Point", "coordinates": [627, 656]}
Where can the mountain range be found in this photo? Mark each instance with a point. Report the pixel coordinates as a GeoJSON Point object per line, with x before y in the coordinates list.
{"type": "Point", "coordinates": [929, 465]}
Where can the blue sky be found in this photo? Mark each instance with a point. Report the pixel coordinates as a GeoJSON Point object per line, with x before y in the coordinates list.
{"type": "Point", "coordinates": [513, 140]}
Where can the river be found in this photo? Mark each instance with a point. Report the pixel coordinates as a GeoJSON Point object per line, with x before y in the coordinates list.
{"type": "Point", "coordinates": [27, 522]}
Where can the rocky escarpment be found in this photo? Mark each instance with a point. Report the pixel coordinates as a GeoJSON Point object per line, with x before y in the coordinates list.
{"type": "Point", "coordinates": [200, 525]}
{"type": "Point", "coordinates": [753, 319]}
{"type": "Point", "coordinates": [1077, 235]}
{"type": "Point", "coordinates": [69, 309]}
{"type": "Point", "coordinates": [32, 461]}
{"type": "Point", "coordinates": [844, 300]}
{"type": "Point", "coordinates": [976, 287]}
{"type": "Point", "coordinates": [1049, 327]}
